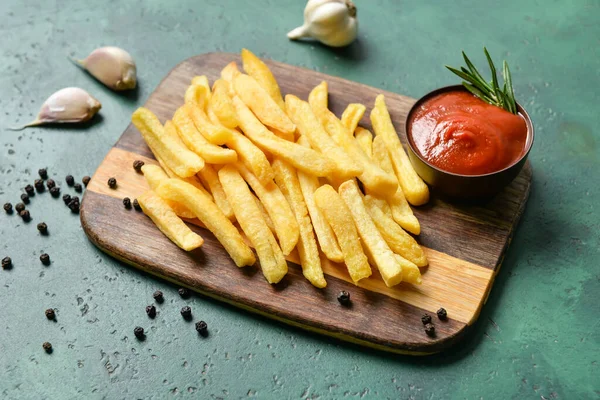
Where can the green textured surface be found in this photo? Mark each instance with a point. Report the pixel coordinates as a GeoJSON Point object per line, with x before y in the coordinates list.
{"type": "Point", "coordinates": [538, 336]}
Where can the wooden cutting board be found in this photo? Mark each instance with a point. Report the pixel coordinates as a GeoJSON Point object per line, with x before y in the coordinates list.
{"type": "Point", "coordinates": [465, 244]}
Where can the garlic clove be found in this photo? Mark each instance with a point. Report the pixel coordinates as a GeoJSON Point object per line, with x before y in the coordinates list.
{"type": "Point", "coordinates": [332, 22]}
{"type": "Point", "coordinates": [68, 105]}
{"type": "Point", "coordinates": [112, 66]}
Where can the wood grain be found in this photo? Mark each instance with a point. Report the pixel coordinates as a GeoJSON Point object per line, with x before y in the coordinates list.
{"type": "Point", "coordinates": [464, 243]}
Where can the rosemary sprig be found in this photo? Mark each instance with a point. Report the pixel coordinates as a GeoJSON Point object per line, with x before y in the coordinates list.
{"type": "Point", "coordinates": [490, 92]}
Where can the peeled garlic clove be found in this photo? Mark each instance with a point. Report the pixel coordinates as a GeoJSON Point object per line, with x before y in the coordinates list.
{"type": "Point", "coordinates": [332, 22]}
{"type": "Point", "coordinates": [69, 105]}
{"type": "Point", "coordinates": [112, 66]}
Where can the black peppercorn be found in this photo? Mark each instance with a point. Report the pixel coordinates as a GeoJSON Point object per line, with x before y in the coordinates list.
{"type": "Point", "coordinates": [430, 329]}
{"type": "Point", "coordinates": [67, 199]}
{"type": "Point", "coordinates": [43, 173]}
{"type": "Point", "coordinates": [75, 198]}
{"type": "Point", "coordinates": [186, 312]}
{"type": "Point", "coordinates": [127, 203]}
{"type": "Point", "coordinates": [19, 207]}
{"type": "Point", "coordinates": [426, 319]}
{"type": "Point", "coordinates": [344, 298]}
{"type": "Point", "coordinates": [85, 180]}
{"type": "Point", "coordinates": [139, 332]}
{"type": "Point", "coordinates": [43, 228]}
{"type": "Point", "coordinates": [45, 259]}
{"type": "Point", "coordinates": [6, 263]}
{"type": "Point", "coordinates": [29, 190]}
{"type": "Point", "coordinates": [25, 198]}
{"type": "Point", "coordinates": [151, 311]}
{"type": "Point", "coordinates": [74, 205]}
{"type": "Point", "coordinates": [55, 191]}
{"type": "Point", "coordinates": [25, 215]}
{"type": "Point", "coordinates": [442, 314]}
{"type": "Point", "coordinates": [47, 347]}
{"type": "Point", "coordinates": [50, 183]}
{"type": "Point", "coordinates": [50, 314]}
{"type": "Point", "coordinates": [39, 185]}
{"type": "Point", "coordinates": [70, 180]}
{"type": "Point", "coordinates": [112, 183]}
{"type": "Point", "coordinates": [184, 292]}
{"type": "Point", "coordinates": [137, 165]}
{"type": "Point", "coordinates": [136, 205]}
{"type": "Point", "coordinates": [8, 208]}
{"type": "Point", "coordinates": [202, 328]}
{"type": "Point", "coordinates": [158, 296]}
{"type": "Point", "coordinates": [78, 188]}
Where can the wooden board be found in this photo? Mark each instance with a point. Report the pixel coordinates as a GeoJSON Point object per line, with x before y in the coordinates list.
{"type": "Point", "coordinates": [465, 244]}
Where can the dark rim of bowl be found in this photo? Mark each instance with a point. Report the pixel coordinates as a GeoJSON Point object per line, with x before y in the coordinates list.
{"type": "Point", "coordinates": [452, 88]}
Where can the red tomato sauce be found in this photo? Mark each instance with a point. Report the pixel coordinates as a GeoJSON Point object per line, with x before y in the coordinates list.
{"type": "Point", "coordinates": [459, 133]}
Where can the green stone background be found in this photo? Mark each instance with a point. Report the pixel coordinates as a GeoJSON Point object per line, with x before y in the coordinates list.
{"type": "Point", "coordinates": [536, 338]}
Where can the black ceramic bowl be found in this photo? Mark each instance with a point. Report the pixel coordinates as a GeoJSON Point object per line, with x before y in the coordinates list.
{"type": "Point", "coordinates": [464, 186]}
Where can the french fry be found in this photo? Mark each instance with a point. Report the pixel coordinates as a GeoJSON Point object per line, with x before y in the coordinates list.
{"type": "Point", "coordinates": [375, 245]}
{"type": "Point", "coordinates": [399, 241]}
{"type": "Point", "coordinates": [182, 161]}
{"type": "Point", "coordinates": [319, 96]}
{"type": "Point", "coordinates": [383, 205]}
{"type": "Point", "coordinates": [168, 222]}
{"type": "Point", "coordinates": [414, 188]}
{"type": "Point", "coordinates": [154, 177]}
{"type": "Point", "coordinates": [202, 80]}
{"type": "Point", "coordinates": [287, 180]}
{"type": "Point", "coordinates": [195, 141]}
{"type": "Point", "coordinates": [265, 214]}
{"type": "Point", "coordinates": [208, 177]}
{"type": "Point", "coordinates": [352, 116]}
{"type": "Point", "coordinates": [340, 219]}
{"type": "Point", "coordinates": [277, 207]}
{"type": "Point", "coordinates": [410, 272]}
{"type": "Point", "coordinates": [300, 157]}
{"type": "Point", "coordinates": [272, 261]}
{"type": "Point", "coordinates": [210, 215]}
{"type": "Point", "coordinates": [221, 103]}
{"type": "Point", "coordinates": [195, 103]}
{"type": "Point", "coordinates": [401, 211]}
{"type": "Point", "coordinates": [261, 104]}
{"type": "Point", "coordinates": [309, 184]}
{"type": "Point", "coordinates": [302, 115]}
{"type": "Point", "coordinates": [257, 69]}
{"type": "Point", "coordinates": [192, 180]}
{"type": "Point", "coordinates": [365, 139]}
{"type": "Point", "coordinates": [230, 72]}
{"type": "Point", "coordinates": [171, 131]}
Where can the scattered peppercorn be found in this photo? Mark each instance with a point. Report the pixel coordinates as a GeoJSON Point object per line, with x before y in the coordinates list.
{"type": "Point", "coordinates": [139, 332]}
{"type": "Point", "coordinates": [25, 215]}
{"type": "Point", "coordinates": [67, 199]}
{"type": "Point", "coordinates": [74, 206]}
{"type": "Point", "coordinates": [8, 208]}
{"type": "Point", "coordinates": [426, 319]}
{"type": "Point", "coordinates": [137, 165]}
{"type": "Point", "coordinates": [75, 198]}
{"type": "Point", "coordinates": [50, 183]}
{"type": "Point", "coordinates": [78, 188]}
{"type": "Point", "coordinates": [151, 311]}
{"type": "Point", "coordinates": [39, 185]}
{"type": "Point", "coordinates": [442, 314]}
{"type": "Point", "coordinates": [202, 328]}
{"type": "Point", "coordinates": [136, 205]}
{"type": "Point", "coordinates": [344, 298]}
{"type": "Point", "coordinates": [19, 207]}
{"type": "Point", "coordinates": [85, 180]}
{"type": "Point", "coordinates": [158, 296]}
{"type": "Point", "coordinates": [43, 173]}
{"type": "Point", "coordinates": [184, 292]}
{"type": "Point", "coordinates": [55, 191]}
{"type": "Point", "coordinates": [127, 202]}
{"type": "Point", "coordinates": [29, 190]}
{"type": "Point", "coordinates": [43, 228]}
{"type": "Point", "coordinates": [186, 312]}
{"type": "Point", "coordinates": [6, 263]}
{"type": "Point", "coordinates": [47, 347]}
{"type": "Point", "coordinates": [45, 259]}
{"type": "Point", "coordinates": [70, 180]}
{"type": "Point", "coordinates": [112, 183]}
{"type": "Point", "coordinates": [430, 329]}
{"type": "Point", "coordinates": [50, 314]}
{"type": "Point", "coordinates": [25, 198]}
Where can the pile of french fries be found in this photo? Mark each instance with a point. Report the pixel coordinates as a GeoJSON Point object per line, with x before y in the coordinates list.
{"type": "Point", "coordinates": [289, 174]}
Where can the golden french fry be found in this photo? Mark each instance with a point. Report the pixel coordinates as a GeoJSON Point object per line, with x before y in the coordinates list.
{"type": "Point", "coordinates": [415, 190]}
{"type": "Point", "coordinates": [208, 177]}
{"type": "Point", "coordinates": [304, 159]}
{"type": "Point", "coordinates": [168, 222]}
{"type": "Point", "coordinates": [202, 80]}
{"type": "Point", "coordinates": [197, 95]}
{"type": "Point", "coordinates": [195, 141]}
{"type": "Point", "coordinates": [287, 180]}
{"type": "Point", "coordinates": [302, 115]}
{"type": "Point", "coordinates": [265, 214]}
{"type": "Point", "coordinates": [178, 158]}
{"type": "Point", "coordinates": [262, 105]}
{"type": "Point", "coordinates": [410, 272]}
{"type": "Point", "coordinates": [272, 261]}
{"type": "Point", "coordinates": [195, 105]}
{"type": "Point", "coordinates": [257, 69]}
{"type": "Point", "coordinates": [319, 96]}
{"type": "Point", "coordinates": [309, 184]}
{"type": "Point", "coordinates": [155, 175]}
{"type": "Point", "coordinates": [365, 139]}
{"type": "Point", "coordinates": [352, 116]}
{"type": "Point", "coordinates": [221, 103]}
{"type": "Point", "coordinates": [340, 219]}
{"type": "Point", "coordinates": [230, 72]}
{"type": "Point", "coordinates": [401, 211]}
{"type": "Point", "coordinates": [192, 180]}
{"type": "Point", "coordinates": [277, 207]}
{"type": "Point", "coordinates": [399, 241]}
{"type": "Point", "coordinates": [210, 215]}
{"type": "Point", "coordinates": [383, 205]}
{"type": "Point", "coordinates": [382, 255]}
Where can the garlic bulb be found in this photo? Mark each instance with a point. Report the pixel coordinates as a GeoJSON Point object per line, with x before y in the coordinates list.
{"type": "Point", "coordinates": [68, 105]}
{"type": "Point", "coordinates": [112, 66]}
{"type": "Point", "coordinates": [332, 22]}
